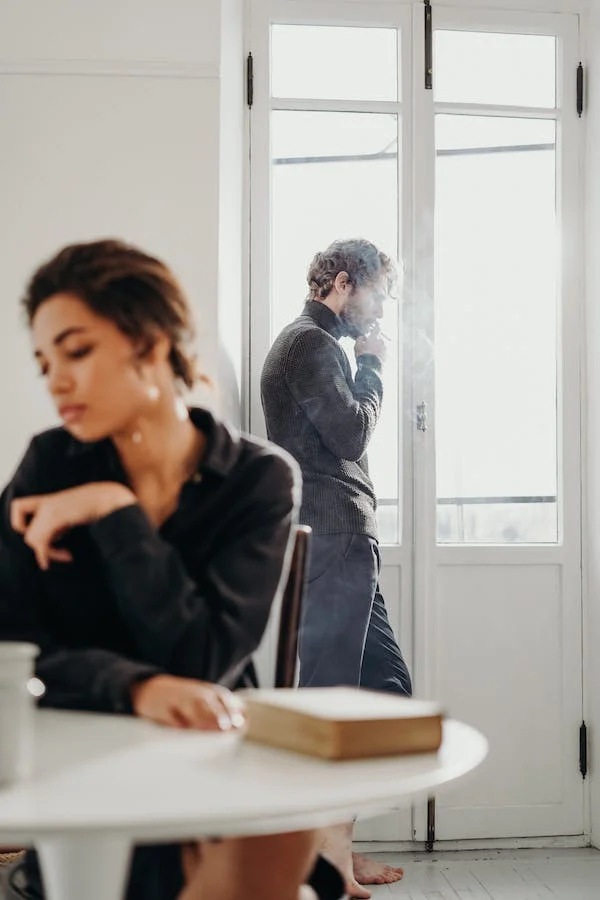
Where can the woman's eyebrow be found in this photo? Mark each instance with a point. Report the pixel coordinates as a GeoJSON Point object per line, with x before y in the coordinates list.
{"type": "Point", "coordinates": [63, 335]}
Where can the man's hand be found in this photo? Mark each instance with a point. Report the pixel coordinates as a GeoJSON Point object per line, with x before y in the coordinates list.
{"type": "Point", "coordinates": [373, 342]}
{"type": "Point", "coordinates": [45, 518]}
{"type": "Point", "coordinates": [187, 703]}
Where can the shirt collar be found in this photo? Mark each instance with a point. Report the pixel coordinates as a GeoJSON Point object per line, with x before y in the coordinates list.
{"type": "Point", "coordinates": [325, 318]}
{"type": "Point", "coordinates": [223, 446]}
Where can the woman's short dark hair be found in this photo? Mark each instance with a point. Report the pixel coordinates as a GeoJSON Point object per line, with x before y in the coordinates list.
{"type": "Point", "coordinates": [360, 259]}
{"type": "Point", "coordinates": [136, 291]}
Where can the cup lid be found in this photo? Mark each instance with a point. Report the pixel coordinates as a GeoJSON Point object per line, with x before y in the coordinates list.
{"type": "Point", "coordinates": [10, 650]}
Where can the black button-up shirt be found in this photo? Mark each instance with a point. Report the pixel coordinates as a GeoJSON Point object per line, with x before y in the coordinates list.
{"type": "Point", "coordinates": [191, 598]}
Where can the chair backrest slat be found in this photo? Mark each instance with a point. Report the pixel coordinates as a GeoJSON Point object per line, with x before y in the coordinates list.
{"type": "Point", "coordinates": [291, 609]}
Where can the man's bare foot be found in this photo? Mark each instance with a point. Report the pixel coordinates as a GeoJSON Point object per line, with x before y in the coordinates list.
{"type": "Point", "coordinates": [356, 890]}
{"type": "Point", "coordinates": [371, 871]}
{"type": "Point", "coordinates": [337, 848]}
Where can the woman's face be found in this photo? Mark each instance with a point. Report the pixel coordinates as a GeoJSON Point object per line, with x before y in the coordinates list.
{"type": "Point", "coordinates": [94, 376]}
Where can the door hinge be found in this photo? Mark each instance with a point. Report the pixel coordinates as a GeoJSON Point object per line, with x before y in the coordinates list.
{"type": "Point", "coordinates": [430, 824]}
{"type": "Point", "coordinates": [428, 46]}
{"type": "Point", "coordinates": [583, 749]}
{"type": "Point", "coordinates": [249, 80]}
{"type": "Point", "coordinates": [580, 89]}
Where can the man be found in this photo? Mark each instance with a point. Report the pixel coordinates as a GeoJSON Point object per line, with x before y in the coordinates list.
{"type": "Point", "coordinates": [325, 417]}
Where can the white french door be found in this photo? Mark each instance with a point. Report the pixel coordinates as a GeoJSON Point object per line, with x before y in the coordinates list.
{"type": "Point", "coordinates": [498, 530]}
{"type": "Point", "coordinates": [471, 181]}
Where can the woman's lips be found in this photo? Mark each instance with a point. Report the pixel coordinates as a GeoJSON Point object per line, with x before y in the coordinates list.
{"type": "Point", "coordinates": [71, 412]}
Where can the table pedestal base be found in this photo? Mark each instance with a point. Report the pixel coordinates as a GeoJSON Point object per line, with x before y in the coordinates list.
{"type": "Point", "coordinates": [84, 868]}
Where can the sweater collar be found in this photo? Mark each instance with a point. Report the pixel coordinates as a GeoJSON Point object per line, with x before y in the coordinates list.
{"type": "Point", "coordinates": [325, 318]}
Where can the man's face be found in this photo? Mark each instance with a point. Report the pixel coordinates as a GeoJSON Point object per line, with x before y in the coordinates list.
{"type": "Point", "coordinates": [364, 307]}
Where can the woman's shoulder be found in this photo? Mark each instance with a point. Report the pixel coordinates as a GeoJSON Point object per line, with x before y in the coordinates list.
{"type": "Point", "coordinates": [53, 440]}
{"type": "Point", "coordinates": [270, 456]}
{"type": "Point", "coordinates": [53, 447]}
{"type": "Point", "coordinates": [272, 476]}
{"type": "Point", "coordinates": [232, 451]}
{"type": "Point", "coordinates": [45, 460]}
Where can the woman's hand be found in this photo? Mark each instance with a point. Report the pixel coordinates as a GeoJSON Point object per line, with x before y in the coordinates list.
{"type": "Point", "coordinates": [187, 703]}
{"type": "Point", "coordinates": [45, 518]}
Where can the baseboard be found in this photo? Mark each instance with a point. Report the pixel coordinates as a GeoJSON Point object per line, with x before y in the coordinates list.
{"type": "Point", "coordinates": [522, 843]}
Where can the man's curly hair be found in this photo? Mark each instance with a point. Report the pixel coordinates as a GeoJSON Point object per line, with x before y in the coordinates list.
{"type": "Point", "coordinates": [360, 259]}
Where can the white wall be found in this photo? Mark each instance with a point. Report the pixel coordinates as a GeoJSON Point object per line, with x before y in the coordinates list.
{"type": "Point", "coordinates": [111, 125]}
{"type": "Point", "coordinates": [125, 31]}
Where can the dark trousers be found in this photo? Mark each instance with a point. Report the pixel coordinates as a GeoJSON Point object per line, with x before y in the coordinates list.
{"type": "Point", "coordinates": [345, 634]}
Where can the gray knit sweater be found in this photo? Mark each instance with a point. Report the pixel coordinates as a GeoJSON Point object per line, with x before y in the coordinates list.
{"type": "Point", "coordinates": [325, 418]}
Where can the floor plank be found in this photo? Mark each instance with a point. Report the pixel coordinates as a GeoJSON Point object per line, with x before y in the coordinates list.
{"type": "Point", "coordinates": [561, 874]}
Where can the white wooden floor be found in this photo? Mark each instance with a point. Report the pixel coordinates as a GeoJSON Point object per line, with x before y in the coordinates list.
{"type": "Point", "coordinates": [494, 875]}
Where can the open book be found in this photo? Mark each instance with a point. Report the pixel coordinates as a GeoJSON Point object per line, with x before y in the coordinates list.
{"type": "Point", "coordinates": [342, 722]}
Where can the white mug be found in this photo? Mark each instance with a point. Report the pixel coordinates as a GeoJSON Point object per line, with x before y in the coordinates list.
{"type": "Point", "coordinates": [16, 710]}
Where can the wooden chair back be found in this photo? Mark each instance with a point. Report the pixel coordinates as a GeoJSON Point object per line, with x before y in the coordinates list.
{"type": "Point", "coordinates": [291, 610]}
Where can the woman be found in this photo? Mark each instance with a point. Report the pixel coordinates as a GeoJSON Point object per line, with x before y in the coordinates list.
{"type": "Point", "coordinates": [142, 543]}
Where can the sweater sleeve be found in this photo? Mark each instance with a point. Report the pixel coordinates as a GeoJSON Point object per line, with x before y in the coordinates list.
{"type": "Point", "coordinates": [344, 411]}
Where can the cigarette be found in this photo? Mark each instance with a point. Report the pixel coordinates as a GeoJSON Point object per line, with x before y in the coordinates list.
{"type": "Point", "coordinates": [377, 330]}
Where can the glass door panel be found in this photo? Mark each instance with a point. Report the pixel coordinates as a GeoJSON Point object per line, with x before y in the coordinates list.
{"type": "Point", "coordinates": [335, 175]}
{"type": "Point", "coordinates": [496, 330]}
{"type": "Point", "coordinates": [495, 69]}
{"type": "Point", "coordinates": [371, 75]}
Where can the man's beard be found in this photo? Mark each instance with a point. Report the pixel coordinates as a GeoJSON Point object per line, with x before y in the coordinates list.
{"type": "Point", "coordinates": [352, 329]}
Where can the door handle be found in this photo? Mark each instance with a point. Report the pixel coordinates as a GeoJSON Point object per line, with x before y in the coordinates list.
{"type": "Point", "coordinates": [422, 417]}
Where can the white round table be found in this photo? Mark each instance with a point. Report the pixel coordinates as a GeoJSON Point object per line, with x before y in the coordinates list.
{"type": "Point", "coordinates": [103, 783]}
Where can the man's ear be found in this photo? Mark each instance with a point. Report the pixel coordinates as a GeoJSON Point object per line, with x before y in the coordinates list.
{"type": "Point", "coordinates": [342, 282]}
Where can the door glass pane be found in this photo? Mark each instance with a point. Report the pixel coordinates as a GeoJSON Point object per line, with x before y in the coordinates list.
{"type": "Point", "coordinates": [503, 69]}
{"type": "Point", "coordinates": [496, 286]}
{"type": "Point", "coordinates": [335, 175]}
{"type": "Point", "coordinates": [323, 62]}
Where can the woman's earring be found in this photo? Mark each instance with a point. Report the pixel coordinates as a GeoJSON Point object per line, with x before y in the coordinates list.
{"type": "Point", "coordinates": [153, 392]}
